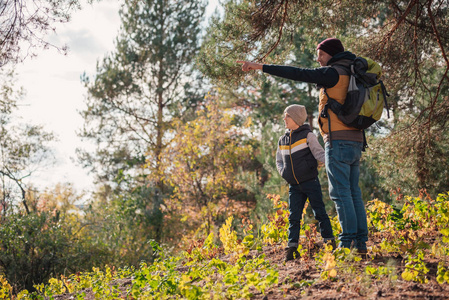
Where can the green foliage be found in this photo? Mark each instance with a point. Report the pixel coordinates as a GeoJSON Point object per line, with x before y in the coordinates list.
{"type": "Point", "coordinates": [382, 272]}
{"type": "Point", "coordinates": [415, 268]}
{"type": "Point", "coordinates": [276, 230]}
{"type": "Point", "coordinates": [56, 237]}
{"type": "Point", "coordinates": [6, 290]}
{"type": "Point", "coordinates": [417, 213]}
{"type": "Point", "coordinates": [122, 227]}
{"type": "Point", "coordinates": [263, 178]}
{"type": "Point", "coordinates": [99, 281]}
{"type": "Point", "coordinates": [200, 162]}
{"type": "Point", "coordinates": [403, 232]}
{"type": "Point", "coordinates": [202, 249]}
{"type": "Point", "coordinates": [424, 165]}
{"type": "Point", "coordinates": [201, 166]}
{"type": "Point", "coordinates": [35, 246]}
{"type": "Point", "coordinates": [164, 279]}
{"type": "Point", "coordinates": [340, 262]}
{"type": "Point", "coordinates": [221, 46]}
{"type": "Point", "coordinates": [205, 270]}
{"type": "Point", "coordinates": [442, 274]}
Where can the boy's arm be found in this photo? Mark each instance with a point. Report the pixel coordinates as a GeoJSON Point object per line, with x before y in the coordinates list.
{"type": "Point", "coordinates": [315, 147]}
{"type": "Point", "coordinates": [279, 161]}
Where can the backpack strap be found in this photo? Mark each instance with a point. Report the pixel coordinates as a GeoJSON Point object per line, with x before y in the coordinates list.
{"type": "Point", "coordinates": [332, 103]}
{"type": "Point", "coordinates": [344, 69]}
{"type": "Point", "coordinates": [336, 108]}
{"type": "Point", "coordinates": [365, 143]}
{"type": "Point", "coordinates": [384, 91]}
{"type": "Point", "coordinates": [324, 114]}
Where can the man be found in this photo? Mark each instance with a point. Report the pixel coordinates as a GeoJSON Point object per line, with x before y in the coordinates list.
{"type": "Point", "coordinates": [343, 144]}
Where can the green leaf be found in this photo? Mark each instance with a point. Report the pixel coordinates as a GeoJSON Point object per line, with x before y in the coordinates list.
{"type": "Point", "coordinates": [445, 231]}
{"type": "Point", "coordinates": [406, 275]}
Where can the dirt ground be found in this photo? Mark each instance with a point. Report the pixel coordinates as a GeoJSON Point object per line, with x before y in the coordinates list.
{"type": "Point", "coordinates": [347, 287]}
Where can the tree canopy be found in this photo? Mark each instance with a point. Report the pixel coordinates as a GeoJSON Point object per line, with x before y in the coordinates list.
{"type": "Point", "coordinates": [24, 24]}
{"type": "Point", "coordinates": [409, 38]}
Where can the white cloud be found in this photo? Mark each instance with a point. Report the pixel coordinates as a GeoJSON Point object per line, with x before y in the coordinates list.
{"type": "Point", "coordinates": [54, 92]}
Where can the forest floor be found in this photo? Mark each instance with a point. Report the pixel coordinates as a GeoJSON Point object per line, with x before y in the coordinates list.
{"type": "Point", "coordinates": [301, 279]}
{"type": "Point", "coordinates": [348, 286]}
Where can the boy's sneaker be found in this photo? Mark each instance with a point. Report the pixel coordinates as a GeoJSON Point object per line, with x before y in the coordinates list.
{"type": "Point", "coordinates": [291, 253]}
{"type": "Point", "coordinates": [332, 243]}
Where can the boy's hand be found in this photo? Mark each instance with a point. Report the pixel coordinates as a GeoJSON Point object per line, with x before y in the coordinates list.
{"type": "Point", "coordinates": [248, 66]}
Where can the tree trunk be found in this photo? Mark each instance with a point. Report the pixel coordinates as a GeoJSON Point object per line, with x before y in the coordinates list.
{"type": "Point", "coordinates": [421, 166]}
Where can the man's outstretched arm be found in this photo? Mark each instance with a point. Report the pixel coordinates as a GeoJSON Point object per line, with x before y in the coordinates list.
{"type": "Point", "coordinates": [323, 76]}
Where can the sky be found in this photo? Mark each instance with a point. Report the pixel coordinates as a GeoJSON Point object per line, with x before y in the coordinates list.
{"type": "Point", "coordinates": [55, 94]}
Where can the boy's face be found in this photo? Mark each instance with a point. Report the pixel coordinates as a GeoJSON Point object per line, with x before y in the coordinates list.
{"type": "Point", "coordinates": [289, 123]}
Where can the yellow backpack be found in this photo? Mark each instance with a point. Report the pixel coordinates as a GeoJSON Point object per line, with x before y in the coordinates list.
{"type": "Point", "coordinates": [366, 95]}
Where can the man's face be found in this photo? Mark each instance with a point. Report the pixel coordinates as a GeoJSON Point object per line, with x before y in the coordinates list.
{"type": "Point", "coordinates": [322, 57]}
{"type": "Point", "coordinates": [289, 123]}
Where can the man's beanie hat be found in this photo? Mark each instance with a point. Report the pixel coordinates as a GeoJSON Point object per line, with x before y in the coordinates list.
{"type": "Point", "coordinates": [297, 112]}
{"type": "Point", "coordinates": [331, 46]}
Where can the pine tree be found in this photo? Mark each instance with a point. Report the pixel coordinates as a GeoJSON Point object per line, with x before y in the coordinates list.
{"type": "Point", "coordinates": [140, 86]}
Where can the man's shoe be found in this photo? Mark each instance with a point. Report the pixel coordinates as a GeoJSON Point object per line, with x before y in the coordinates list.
{"type": "Point", "coordinates": [291, 253]}
{"type": "Point", "coordinates": [363, 253]}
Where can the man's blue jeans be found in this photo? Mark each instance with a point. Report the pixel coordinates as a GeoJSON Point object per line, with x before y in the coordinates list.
{"type": "Point", "coordinates": [298, 195]}
{"type": "Point", "coordinates": [343, 171]}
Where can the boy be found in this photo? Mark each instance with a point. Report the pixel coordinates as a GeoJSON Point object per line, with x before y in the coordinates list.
{"type": "Point", "coordinates": [296, 161]}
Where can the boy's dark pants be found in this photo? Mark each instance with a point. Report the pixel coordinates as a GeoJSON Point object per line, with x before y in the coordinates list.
{"type": "Point", "coordinates": [298, 195]}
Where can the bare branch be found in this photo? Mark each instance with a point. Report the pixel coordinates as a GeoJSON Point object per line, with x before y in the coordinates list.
{"type": "Point", "coordinates": [284, 18]}
{"type": "Point", "coordinates": [388, 36]}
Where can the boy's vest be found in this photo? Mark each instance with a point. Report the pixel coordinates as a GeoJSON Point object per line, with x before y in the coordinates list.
{"type": "Point", "coordinates": [296, 152]}
{"type": "Point", "coordinates": [340, 131]}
